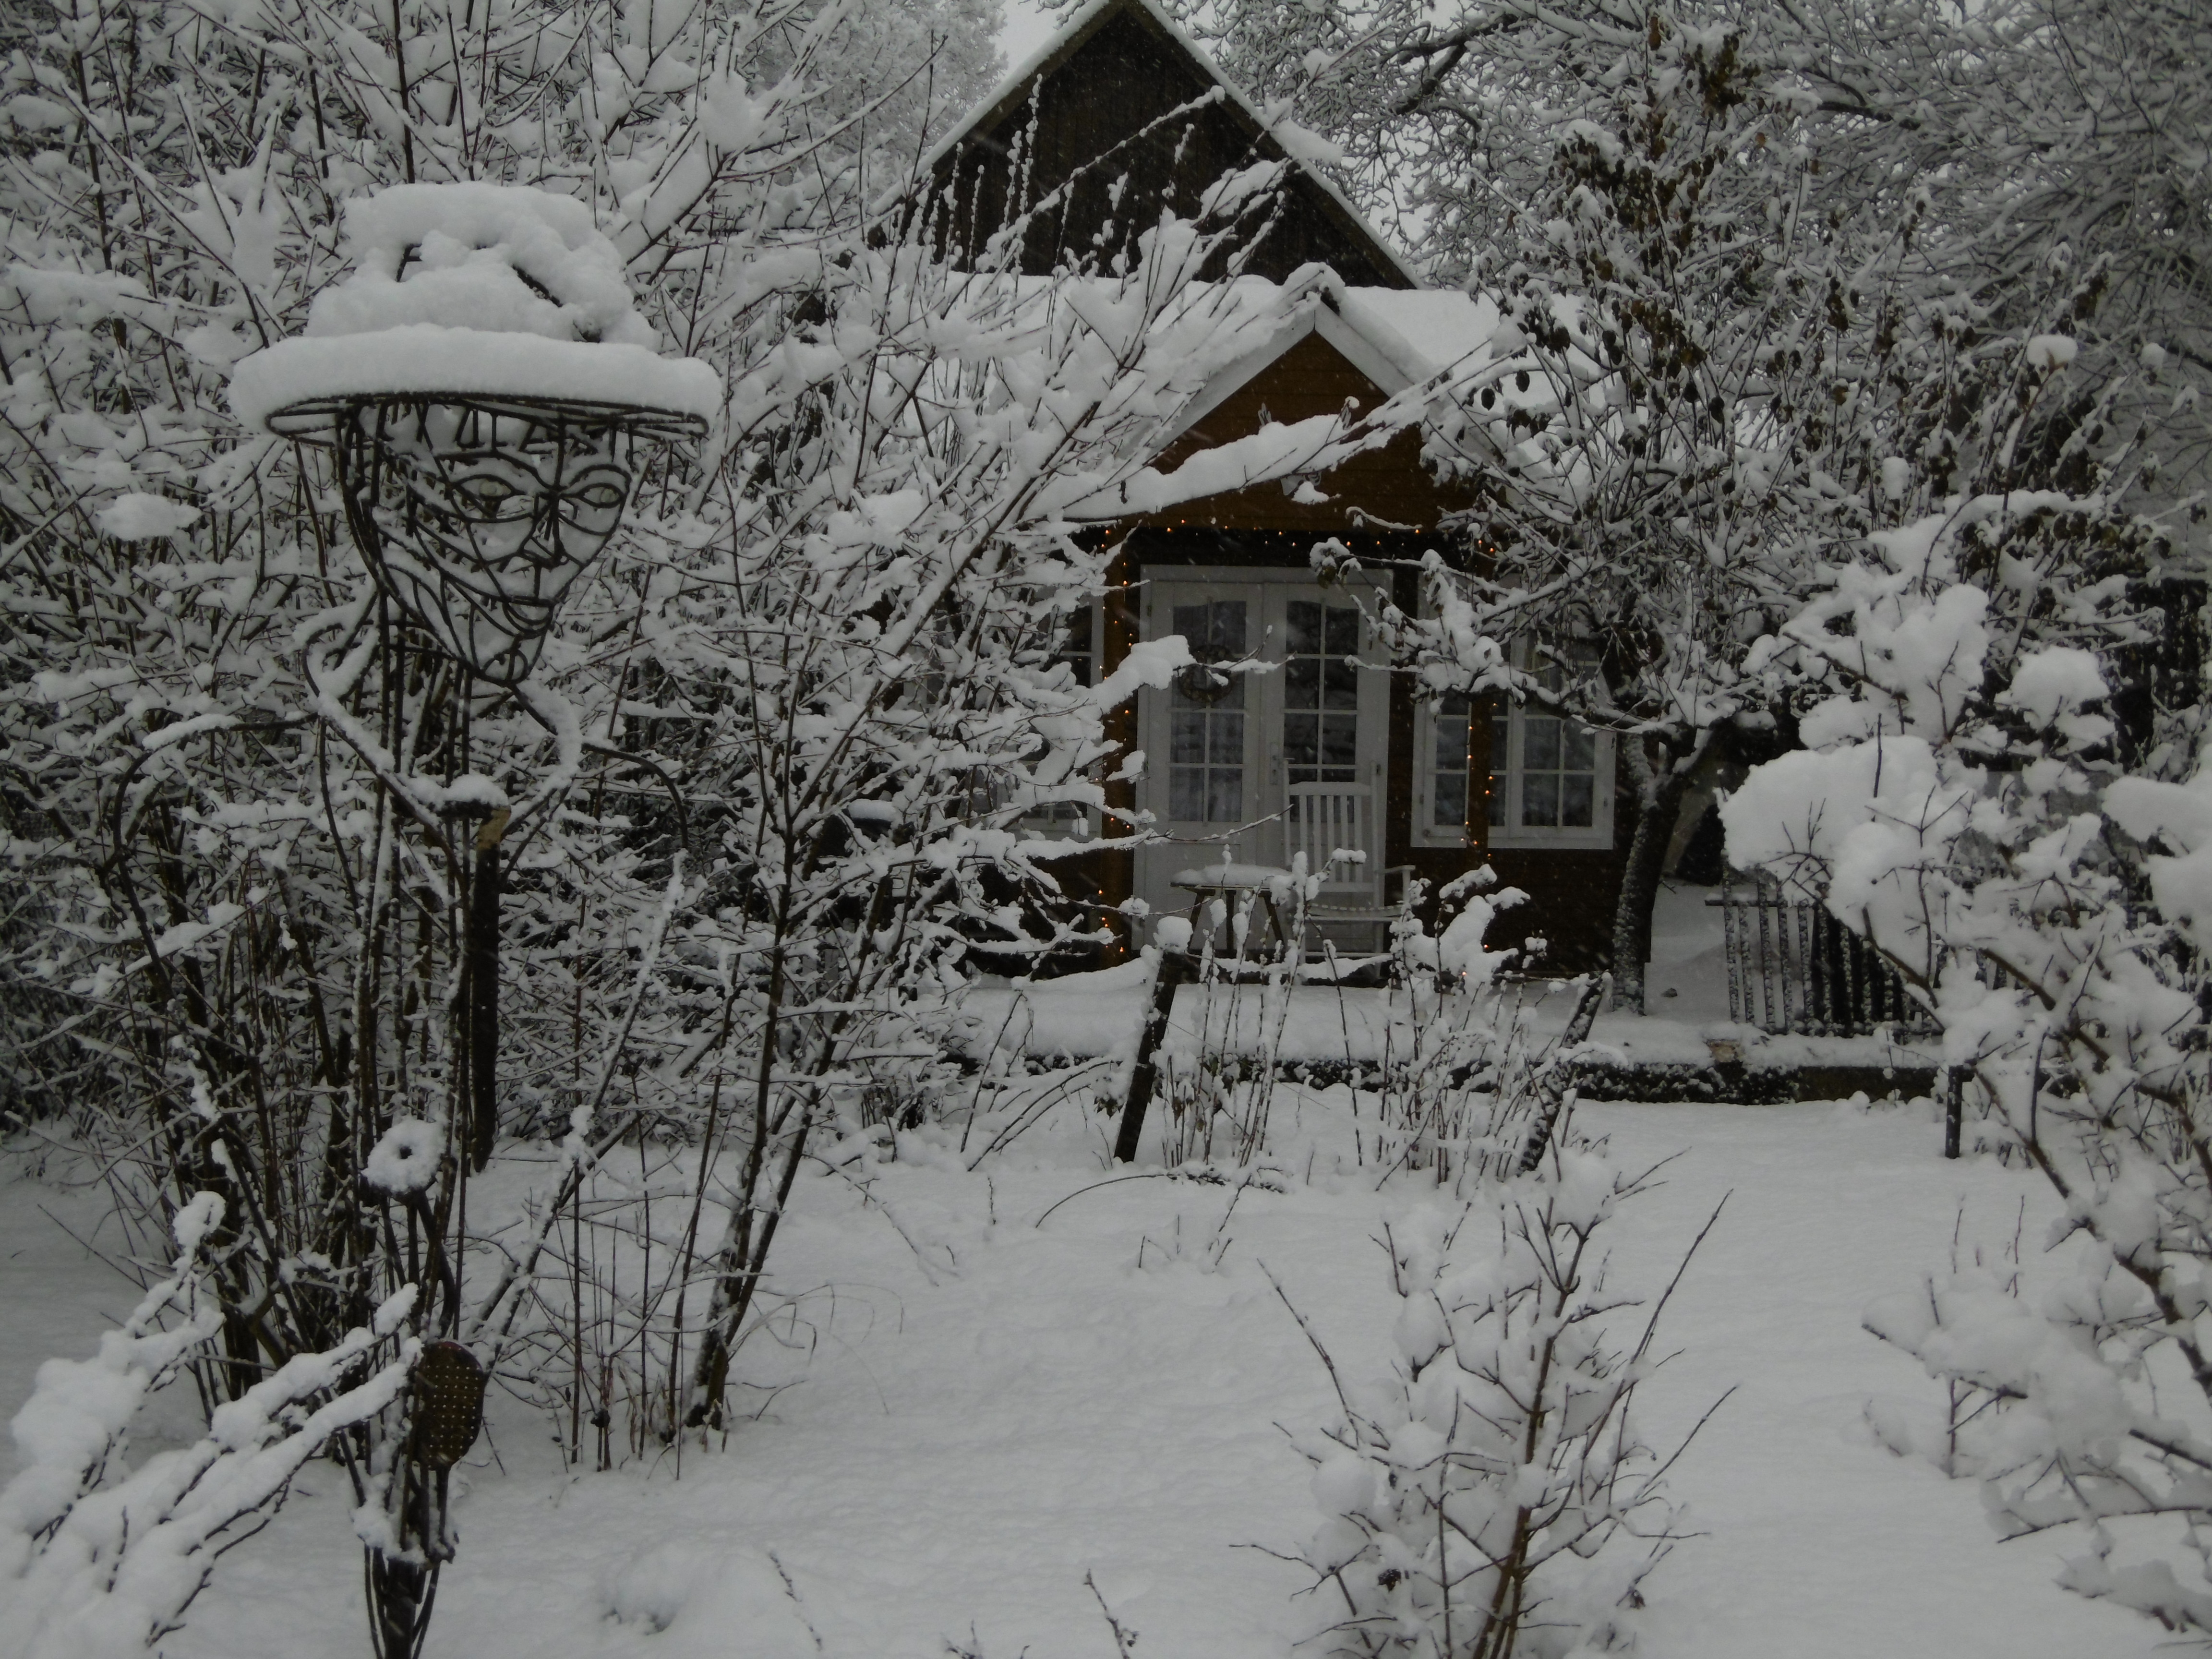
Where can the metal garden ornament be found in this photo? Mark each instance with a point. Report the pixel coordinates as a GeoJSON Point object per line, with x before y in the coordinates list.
{"type": "Point", "coordinates": [482, 384]}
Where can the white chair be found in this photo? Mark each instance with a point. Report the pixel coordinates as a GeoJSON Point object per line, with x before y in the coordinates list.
{"type": "Point", "coordinates": [1325, 821]}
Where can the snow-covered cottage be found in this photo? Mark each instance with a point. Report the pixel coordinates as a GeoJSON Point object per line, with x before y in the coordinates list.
{"type": "Point", "coordinates": [1433, 791]}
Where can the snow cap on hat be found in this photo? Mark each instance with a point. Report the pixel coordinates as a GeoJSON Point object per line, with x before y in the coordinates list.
{"type": "Point", "coordinates": [472, 290]}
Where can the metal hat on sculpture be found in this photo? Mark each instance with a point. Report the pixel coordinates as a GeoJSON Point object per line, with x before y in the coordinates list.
{"type": "Point", "coordinates": [482, 376]}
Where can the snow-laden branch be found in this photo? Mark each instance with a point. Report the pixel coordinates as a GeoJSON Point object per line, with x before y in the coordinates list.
{"type": "Point", "coordinates": [98, 1559]}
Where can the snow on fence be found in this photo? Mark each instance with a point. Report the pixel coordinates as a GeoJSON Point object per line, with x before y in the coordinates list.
{"type": "Point", "coordinates": [1793, 967]}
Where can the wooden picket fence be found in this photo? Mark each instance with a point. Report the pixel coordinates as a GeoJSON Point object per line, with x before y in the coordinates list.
{"type": "Point", "coordinates": [1793, 967]}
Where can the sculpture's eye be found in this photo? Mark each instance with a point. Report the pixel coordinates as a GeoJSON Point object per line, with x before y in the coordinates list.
{"type": "Point", "coordinates": [489, 493]}
{"type": "Point", "coordinates": [600, 497]}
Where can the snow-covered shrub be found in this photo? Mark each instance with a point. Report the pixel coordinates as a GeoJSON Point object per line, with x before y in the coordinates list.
{"type": "Point", "coordinates": [99, 1559]}
{"type": "Point", "coordinates": [1968, 803]}
{"type": "Point", "coordinates": [1453, 1065]}
{"type": "Point", "coordinates": [1220, 1099]}
{"type": "Point", "coordinates": [1458, 1080]}
{"type": "Point", "coordinates": [770, 786]}
{"type": "Point", "coordinates": [1491, 1498]}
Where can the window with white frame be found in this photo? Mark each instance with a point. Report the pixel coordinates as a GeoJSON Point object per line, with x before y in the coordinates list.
{"type": "Point", "coordinates": [1550, 782]}
{"type": "Point", "coordinates": [1444, 737]}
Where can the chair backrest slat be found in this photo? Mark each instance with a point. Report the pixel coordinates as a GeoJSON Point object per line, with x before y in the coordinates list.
{"type": "Point", "coordinates": [1323, 819]}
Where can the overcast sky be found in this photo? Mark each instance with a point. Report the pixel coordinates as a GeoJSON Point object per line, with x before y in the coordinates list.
{"type": "Point", "coordinates": [1025, 30]}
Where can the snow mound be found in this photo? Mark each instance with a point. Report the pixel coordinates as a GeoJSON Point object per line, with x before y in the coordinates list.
{"type": "Point", "coordinates": [697, 1595]}
{"type": "Point", "coordinates": [405, 1159]}
{"type": "Point", "coordinates": [474, 289]}
{"type": "Point", "coordinates": [499, 256]}
{"type": "Point", "coordinates": [136, 516]}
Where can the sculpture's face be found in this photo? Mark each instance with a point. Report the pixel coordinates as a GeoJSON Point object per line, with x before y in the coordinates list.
{"type": "Point", "coordinates": [481, 520]}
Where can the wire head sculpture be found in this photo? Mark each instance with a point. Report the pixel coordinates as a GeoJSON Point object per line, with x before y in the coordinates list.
{"type": "Point", "coordinates": [483, 378]}
{"type": "Point", "coordinates": [477, 515]}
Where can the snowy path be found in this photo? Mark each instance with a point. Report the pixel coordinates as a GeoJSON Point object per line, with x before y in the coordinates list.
{"type": "Point", "coordinates": [963, 1452]}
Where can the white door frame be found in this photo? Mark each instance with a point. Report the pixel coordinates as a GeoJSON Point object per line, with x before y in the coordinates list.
{"type": "Point", "coordinates": [1268, 590]}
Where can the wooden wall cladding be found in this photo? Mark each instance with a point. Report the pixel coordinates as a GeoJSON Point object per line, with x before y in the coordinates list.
{"type": "Point", "coordinates": [1120, 76]}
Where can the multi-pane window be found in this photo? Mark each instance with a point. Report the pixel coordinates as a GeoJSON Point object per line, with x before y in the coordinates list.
{"type": "Point", "coordinates": [1550, 776]}
{"type": "Point", "coordinates": [1320, 692]}
{"type": "Point", "coordinates": [1449, 731]}
{"type": "Point", "coordinates": [1559, 772]}
{"type": "Point", "coordinates": [1550, 781]}
{"type": "Point", "coordinates": [1206, 717]}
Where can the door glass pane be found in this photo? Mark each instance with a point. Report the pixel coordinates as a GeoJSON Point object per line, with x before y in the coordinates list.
{"type": "Point", "coordinates": [1339, 684]}
{"type": "Point", "coordinates": [1186, 737]}
{"type": "Point", "coordinates": [1340, 750]}
{"type": "Point", "coordinates": [1206, 717]}
{"type": "Point", "coordinates": [1187, 793]}
{"type": "Point", "coordinates": [1320, 693]}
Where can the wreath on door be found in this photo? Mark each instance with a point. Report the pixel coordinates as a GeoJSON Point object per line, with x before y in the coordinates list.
{"type": "Point", "coordinates": [1206, 683]}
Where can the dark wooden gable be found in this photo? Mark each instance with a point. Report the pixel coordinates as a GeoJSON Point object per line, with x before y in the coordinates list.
{"type": "Point", "coordinates": [1106, 82]}
{"type": "Point", "coordinates": [1388, 487]}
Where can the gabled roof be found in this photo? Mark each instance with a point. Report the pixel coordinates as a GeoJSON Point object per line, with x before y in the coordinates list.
{"type": "Point", "coordinates": [1065, 67]}
{"type": "Point", "coordinates": [1393, 336]}
{"type": "Point", "coordinates": [1316, 344]}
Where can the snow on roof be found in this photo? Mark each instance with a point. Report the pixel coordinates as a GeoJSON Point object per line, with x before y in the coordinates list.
{"type": "Point", "coordinates": [1396, 337]}
{"type": "Point", "coordinates": [1302, 146]}
{"type": "Point", "coordinates": [1432, 328]}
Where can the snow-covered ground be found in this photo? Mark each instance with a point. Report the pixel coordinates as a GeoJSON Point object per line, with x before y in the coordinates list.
{"type": "Point", "coordinates": [986, 1407]}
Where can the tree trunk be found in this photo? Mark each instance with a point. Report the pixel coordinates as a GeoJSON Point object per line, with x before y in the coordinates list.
{"type": "Point", "coordinates": [1659, 807]}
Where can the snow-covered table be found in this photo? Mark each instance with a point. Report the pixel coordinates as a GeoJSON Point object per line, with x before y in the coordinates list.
{"type": "Point", "coordinates": [1230, 882]}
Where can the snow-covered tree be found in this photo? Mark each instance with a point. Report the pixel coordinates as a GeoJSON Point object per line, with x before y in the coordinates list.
{"type": "Point", "coordinates": [1968, 803]}
{"type": "Point", "coordinates": [758, 794]}
{"type": "Point", "coordinates": [1747, 330]}
{"type": "Point", "coordinates": [2021, 129]}
{"type": "Point", "coordinates": [2038, 130]}
{"type": "Point", "coordinates": [1681, 421]}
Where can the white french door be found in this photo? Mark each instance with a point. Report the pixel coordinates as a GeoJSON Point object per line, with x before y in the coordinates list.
{"type": "Point", "coordinates": [1281, 703]}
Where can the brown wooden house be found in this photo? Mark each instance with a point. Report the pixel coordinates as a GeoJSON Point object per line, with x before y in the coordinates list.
{"type": "Point", "coordinates": [1229, 766]}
